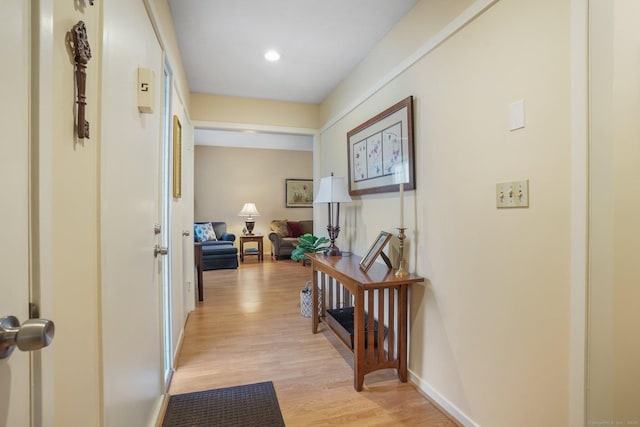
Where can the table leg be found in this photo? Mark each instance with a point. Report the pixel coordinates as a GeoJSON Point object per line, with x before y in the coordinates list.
{"type": "Point", "coordinates": [200, 290]}
{"type": "Point", "coordinates": [358, 336]}
{"type": "Point", "coordinates": [198, 260]}
{"type": "Point", "coordinates": [402, 333]}
{"type": "Point", "coordinates": [314, 302]}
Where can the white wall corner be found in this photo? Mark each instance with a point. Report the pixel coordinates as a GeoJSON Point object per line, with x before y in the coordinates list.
{"type": "Point", "coordinates": [441, 401]}
{"type": "Point", "coordinates": [579, 212]}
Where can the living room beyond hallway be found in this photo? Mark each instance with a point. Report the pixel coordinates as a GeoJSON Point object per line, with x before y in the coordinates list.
{"type": "Point", "coordinates": [249, 329]}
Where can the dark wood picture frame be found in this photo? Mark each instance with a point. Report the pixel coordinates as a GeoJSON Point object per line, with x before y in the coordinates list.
{"type": "Point", "coordinates": [374, 250]}
{"type": "Point", "coordinates": [380, 151]}
{"type": "Point", "coordinates": [298, 193]}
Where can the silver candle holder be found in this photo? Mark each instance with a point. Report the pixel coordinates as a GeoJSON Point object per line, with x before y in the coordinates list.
{"type": "Point", "coordinates": [401, 272]}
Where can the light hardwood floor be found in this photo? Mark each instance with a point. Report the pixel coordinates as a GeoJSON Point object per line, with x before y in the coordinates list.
{"type": "Point", "coordinates": [249, 329]}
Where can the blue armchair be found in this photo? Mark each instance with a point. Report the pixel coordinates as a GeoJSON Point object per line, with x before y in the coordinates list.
{"type": "Point", "coordinates": [217, 250]}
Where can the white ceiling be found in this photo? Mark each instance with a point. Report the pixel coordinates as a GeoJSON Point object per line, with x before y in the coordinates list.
{"type": "Point", "coordinates": [222, 43]}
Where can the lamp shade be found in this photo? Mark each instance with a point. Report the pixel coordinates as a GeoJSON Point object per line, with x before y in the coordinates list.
{"type": "Point", "coordinates": [332, 190]}
{"type": "Point", "coordinates": [249, 209]}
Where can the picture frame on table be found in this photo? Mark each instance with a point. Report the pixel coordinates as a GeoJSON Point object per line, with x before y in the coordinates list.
{"type": "Point", "coordinates": [376, 249]}
{"type": "Point", "coordinates": [298, 193]}
{"type": "Point", "coordinates": [381, 151]}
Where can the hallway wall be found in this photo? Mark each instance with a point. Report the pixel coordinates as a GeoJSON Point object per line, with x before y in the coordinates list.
{"type": "Point", "coordinates": [489, 329]}
{"type": "Point", "coordinates": [614, 349]}
{"type": "Point", "coordinates": [74, 251]}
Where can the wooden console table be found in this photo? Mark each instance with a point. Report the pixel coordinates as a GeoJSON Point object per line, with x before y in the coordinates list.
{"type": "Point", "coordinates": [376, 297]}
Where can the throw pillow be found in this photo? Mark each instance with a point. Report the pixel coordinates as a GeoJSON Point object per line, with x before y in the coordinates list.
{"type": "Point", "coordinates": [280, 227]}
{"type": "Point", "coordinates": [204, 232]}
{"type": "Point", "coordinates": [294, 228]}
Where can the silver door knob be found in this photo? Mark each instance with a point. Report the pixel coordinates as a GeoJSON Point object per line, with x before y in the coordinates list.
{"type": "Point", "coordinates": [160, 250]}
{"type": "Point", "coordinates": [33, 334]}
{"type": "Point", "coordinates": [186, 233]}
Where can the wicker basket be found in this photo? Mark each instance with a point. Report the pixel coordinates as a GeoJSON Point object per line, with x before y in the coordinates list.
{"type": "Point", "coordinates": [305, 300]}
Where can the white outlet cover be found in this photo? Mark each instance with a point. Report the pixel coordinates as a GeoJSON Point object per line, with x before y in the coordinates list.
{"type": "Point", "coordinates": [516, 115]}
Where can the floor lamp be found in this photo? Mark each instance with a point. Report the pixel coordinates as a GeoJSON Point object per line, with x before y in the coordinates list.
{"type": "Point", "coordinates": [333, 191]}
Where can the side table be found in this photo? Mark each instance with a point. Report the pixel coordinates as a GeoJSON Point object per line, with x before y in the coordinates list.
{"type": "Point", "coordinates": [251, 251]}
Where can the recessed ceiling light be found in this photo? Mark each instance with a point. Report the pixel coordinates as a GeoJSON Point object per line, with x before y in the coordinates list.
{"type": "Point", "coordinates": [272, 56]}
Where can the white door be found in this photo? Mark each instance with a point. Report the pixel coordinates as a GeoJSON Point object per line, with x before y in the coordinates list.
{"type": "Point", "coordinates": [14, 208]}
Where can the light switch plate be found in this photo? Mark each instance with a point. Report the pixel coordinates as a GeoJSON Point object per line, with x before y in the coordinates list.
{"type": "Point", "coordinates": [514, 194]}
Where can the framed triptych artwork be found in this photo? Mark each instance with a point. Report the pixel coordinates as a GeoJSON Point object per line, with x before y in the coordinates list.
{"type": "Point", "coordinates": [380, 151]}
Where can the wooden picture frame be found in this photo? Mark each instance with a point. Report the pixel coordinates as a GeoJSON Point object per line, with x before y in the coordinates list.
{"type": "Point", "coordinates": [298, 193]}
{"type": "Point", "coordinates": [177, 158]}
{"type": "Point", "coordinates": [380, 151]}
{"type": "Point", "coordinates": [374, 250]}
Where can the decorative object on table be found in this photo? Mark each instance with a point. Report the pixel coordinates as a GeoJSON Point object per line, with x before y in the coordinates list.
{"type": "Point", "coordinates": [333, 191]}
{"type": "Point", "coordinates": [378, 147]}
{"type": "Point", "coordinates": [308, 243]}
{"type": "Point", "coordinates": [374, 250]}
{"type": "Point", "coordinates": [402, 178]}
{"type": "Point", "coordinates": [299, 193]}
{"type": "Point", "coordinates": [249, 210]}
{"type": "Point", "coordinates": [81, 56]}
{"type": "Point", "coordinates": [401, 272]}
{"type": "Point", "coordinates": [177, 158]}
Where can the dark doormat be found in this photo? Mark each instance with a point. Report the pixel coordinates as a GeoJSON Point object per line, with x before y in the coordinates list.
{"type": "Point", "coordinates": [242, 406]}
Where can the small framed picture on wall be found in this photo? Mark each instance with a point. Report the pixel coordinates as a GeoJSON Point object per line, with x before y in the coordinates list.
{"type": "Point", "coordinates": [299, 193]}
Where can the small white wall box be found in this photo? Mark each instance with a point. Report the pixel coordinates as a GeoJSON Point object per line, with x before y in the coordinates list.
{"type": "Point", "coordinates": [145, 90]}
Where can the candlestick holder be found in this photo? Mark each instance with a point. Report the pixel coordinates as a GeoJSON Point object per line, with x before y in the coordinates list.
{"type": "Point", "coordinates": [401, 272]}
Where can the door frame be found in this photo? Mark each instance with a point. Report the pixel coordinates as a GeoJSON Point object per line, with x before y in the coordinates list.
{"type": "Point", "coordinates": [41, 217]}
{"type": "Point", "coordinates": [579, 92]}
{"type": "Point", "coordinates": [166, 185]}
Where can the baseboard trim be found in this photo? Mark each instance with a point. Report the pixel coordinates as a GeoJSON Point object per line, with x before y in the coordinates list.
{"type": "Point", "coordinates": [443, 404]}
{"type": "Point", "coordinates": [160, 409]}
{"type": "Point", "coordinates": [179, 345]}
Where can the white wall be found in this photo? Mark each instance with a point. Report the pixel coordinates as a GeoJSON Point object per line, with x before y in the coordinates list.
{"type": "Point", "coordinates": [226, 178]}
{"type": "Point", "coordinates": [614, 348]}
{"type": "Point", "coordinates": [490, 327]}
{"type": "Point", "coordinates": [73, 250]}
